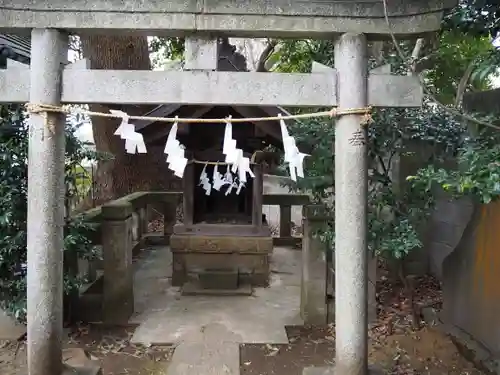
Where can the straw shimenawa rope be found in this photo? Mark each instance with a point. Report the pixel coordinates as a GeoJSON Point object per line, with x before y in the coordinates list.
{"type": "Point", "coordinates": [334, 112]}
{"type": "Point", "coordinates": [44, 109]}
{"type": "Point", "coordinates": [252, 160]}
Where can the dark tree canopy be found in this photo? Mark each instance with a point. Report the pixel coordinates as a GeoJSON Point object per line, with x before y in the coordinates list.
{"type": "Point", "coordinates": [476, 16]}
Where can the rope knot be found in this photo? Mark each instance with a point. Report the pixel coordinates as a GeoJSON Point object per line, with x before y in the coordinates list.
{"type": "Point", "coordinates": [37, 108]}
{"type": "Point", "coordinates": [366, 112]}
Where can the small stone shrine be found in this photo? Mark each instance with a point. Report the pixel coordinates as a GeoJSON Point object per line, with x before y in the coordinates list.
{"type": "Point", "coordinates": [223, 243]}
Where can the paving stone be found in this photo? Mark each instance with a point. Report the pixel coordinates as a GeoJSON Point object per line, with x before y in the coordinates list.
{"type": "Point", "coordinates": [205, 358]}
{"type": "Point", "coordinates": [76, 361]}
{"type": "Point", "coordinates": [89, 370]}
{"type": "Point", "coordinates": [318, 371]}
{"type": "Point", "coordinates": [330, 370]}
{"type": "Point", "coordinates": [166, 317]}
{"type": "Point", "coordinates": [207, 330]}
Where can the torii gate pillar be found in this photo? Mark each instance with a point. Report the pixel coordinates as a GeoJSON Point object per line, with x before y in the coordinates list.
{"type": "Point", "coordinates": [351, 189]}
{"type": "Point", "coordinates": [46, 193]}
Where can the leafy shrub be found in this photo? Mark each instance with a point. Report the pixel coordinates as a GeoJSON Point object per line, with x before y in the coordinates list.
{"type": "Point", "coordinates": [13, 208]}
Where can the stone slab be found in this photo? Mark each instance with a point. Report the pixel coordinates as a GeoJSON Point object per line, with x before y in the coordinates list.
{"type": "Point", "coordinates": [385, 89]}
{"type": "Point", "coordinates": [192, 289]}
{"type": "Point", "coordinates": [9, 328]}
{"type": "Point", "coordinates": [116, 211]}
{"type": "Point", "coordinates": [203, 229]}
{"type": "Point", "coordinates": [92, 370]}
{"type": "Point", "coordinates": [252, 319]}
{"type": "Point", "coordinates": [205, 358]}
{"type": "Point", "coordinates": [166, 317]}
{"type": "Point", "coordinates": [252, 19]}
{"type": "Point", "coordinates": [330, 370]}
{"type": "Point", "coordinates": [77, 362]}
{"type": "Point", "coordinates": [218, 278]}
{"type": "Point", "coordinates": [252, 268]}
{"type": "Point", "coordinates": [214, 88]}
{"type": "Point", "coordinates": [221, 244]}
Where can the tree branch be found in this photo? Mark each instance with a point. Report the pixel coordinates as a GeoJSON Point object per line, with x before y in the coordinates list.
{"type": "Point", "coordinates": [264, 56]}
{"type": "Point", "coordinates": [462, 85]}
{"type": "Point", "coordinates": [417, 49]}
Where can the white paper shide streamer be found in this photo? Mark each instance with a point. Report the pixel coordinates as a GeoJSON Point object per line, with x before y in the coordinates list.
{"type": "Point", "coordinates": [205, 181]}
{"type": "Point", "coordinates": [229, 180]}
{"type": "Point", "coordinates": [175, 152]}
{"type": "Point", "coordinates": [293, 156]}
{"type": "Point", "coordinates": [237, 163]}
{"type": "Point", "coordinates": [134, 141]}
{"type": "Point", "coordinates": [219, 180]}
{"type": "Point", "coordinates": [240, 164]}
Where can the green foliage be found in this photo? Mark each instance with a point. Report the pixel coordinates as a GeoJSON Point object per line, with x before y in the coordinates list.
{"type": "Point", "coordinates": [477, 174]}
{"type": "Point", "coordinates": [449, 63]}
{"type": "Point", "coordinates": [317, 138]}
{"type": "Point", "coordinates": [13, 208]}
{"type": "Point", "coordinates": [82, 181]}
{"type": "Point", "coordinates": [166, 49]}
{"type": "Point", "coordinates": [478, 17]}
{"type": "Point", "coordinates": [396, 209]}
{"type": "Point", "coordinates": [486, 66]}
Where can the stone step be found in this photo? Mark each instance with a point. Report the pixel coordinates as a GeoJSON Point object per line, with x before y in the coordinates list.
{"type": "Point", "coordinates": [205, 358]}
{"type": "Point", "coordinates": [223, 278]}
{"type": "Point", "coordinates": [194, 289]}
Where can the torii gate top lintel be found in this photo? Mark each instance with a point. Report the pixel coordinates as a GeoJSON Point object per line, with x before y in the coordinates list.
{"type": "Point", "coordinates": [238, 18]}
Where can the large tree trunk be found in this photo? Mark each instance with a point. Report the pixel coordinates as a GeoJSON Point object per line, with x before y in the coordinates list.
{"type": "Point", "coordinates": [125, 173]}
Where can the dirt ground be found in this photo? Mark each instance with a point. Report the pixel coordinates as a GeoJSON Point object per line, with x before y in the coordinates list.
{"type": "Point", "coordinates": [401, 343]}
{"type": "Point", "coordinates": [110, 346]}
{"type": "Point", "coordinates": [425, 352]}
{"type": "Point", "coordinates": [397, 345]}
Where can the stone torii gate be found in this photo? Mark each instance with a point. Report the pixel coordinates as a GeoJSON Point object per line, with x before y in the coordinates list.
{"type": "Point", "coordinates": [52, 82]}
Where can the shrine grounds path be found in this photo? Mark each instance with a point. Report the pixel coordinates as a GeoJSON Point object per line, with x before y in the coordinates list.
{"type": "Point", "coordinates": [257, 335]}
{"type": "Point", "coordinates": [207, 331]}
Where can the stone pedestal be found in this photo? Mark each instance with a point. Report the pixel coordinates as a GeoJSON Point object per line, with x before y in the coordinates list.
{"type": "Point", "coordinates": [195, 254]}
{"type": "Point", "coordinates": [313, 297]}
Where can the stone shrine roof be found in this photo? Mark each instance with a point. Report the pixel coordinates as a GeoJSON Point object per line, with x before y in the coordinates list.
{"type": "Point", "coordinates": [15, 47]}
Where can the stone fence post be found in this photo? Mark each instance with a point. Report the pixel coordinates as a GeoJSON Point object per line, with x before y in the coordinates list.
{"type": "Point", "coordinates": [169, 218]}
{"type": "Point", "coordinates": [285, 220]}
{"type": "Point", "coordinates": [143, 221]}
{"type": "Point", "coordinates": [313, 298]}
{"type": "Point", "coordinates": [118, 290]}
